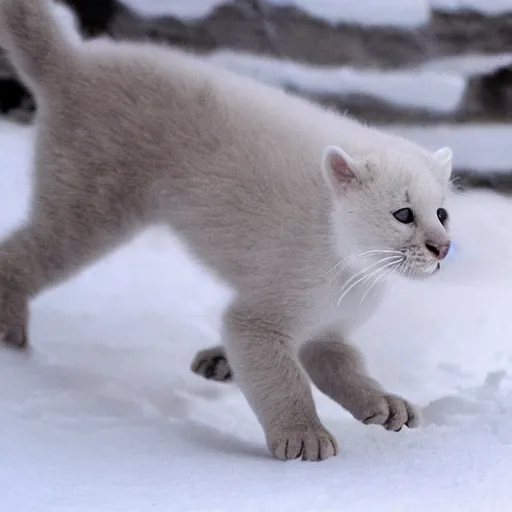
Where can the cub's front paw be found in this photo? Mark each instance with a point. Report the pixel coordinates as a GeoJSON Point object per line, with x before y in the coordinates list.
{"type": "Point", "coordinates": [392, 412]}
{"type": "Point", "coordinates": [306, 444]}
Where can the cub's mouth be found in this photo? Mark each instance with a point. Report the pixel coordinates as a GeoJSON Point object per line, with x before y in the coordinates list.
{"type": "Point", "coordinates": [433, 268]}
{"type": "Point", "coordinates": [420, 271]}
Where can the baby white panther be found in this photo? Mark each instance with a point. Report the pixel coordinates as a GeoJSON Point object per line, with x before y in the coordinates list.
{"type": "Point", "coordinates": [300, 210]}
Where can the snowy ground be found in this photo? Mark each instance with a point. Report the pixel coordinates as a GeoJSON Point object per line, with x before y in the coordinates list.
{"type": "Point", "coordinates": [105, 416]}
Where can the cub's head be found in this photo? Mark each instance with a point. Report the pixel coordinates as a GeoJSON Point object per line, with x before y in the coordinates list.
{"type": "Point", "coordinates": [389, 208]}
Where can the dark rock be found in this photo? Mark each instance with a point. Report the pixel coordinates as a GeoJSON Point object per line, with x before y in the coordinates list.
{"type": "Point", "coordinates": [468, 31]}
{"type": "Point", "coordinates": [94, 16]}
{"type": "Point", "coordinates": [256, 27]}
{"type": "Point", "coordinates": [16, 101]}
{"type": "Point", "coordinates": [308, 39]}
{"type": "Point", "coordinates": [498, 181]}
{"type": "Point", "coordinates": [106, 17]}
{"type": "Point", "coordinates": [488, 97]}
{"type": "Point", "coordinates": [172, 31]}
{"type": "Point", "coordinates": [287, 32]}
{"type": "Point", "coordinates": [236, 25]}
{"type": "Point", "coordinates": [375, 110]}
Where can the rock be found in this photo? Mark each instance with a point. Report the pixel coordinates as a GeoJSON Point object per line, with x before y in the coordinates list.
{"type": "Point", "coordinates": [488, 97]}
{"type": "Point", "coordinates": [499, 181]}
{"type": "Point", "coordinates": [287, 32]}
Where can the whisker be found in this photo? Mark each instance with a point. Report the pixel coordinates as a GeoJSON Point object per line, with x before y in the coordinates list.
{"type": "Point", "coordinates": [366, 269]}
{"type": "Point", "coordinates": [363, 278]}
{"type": "Point", "coordinates": [359, 255]}
{"type": "Point", "coordinates": [385, 273]}
{"type": "Point", "coordinates": [401, 267]}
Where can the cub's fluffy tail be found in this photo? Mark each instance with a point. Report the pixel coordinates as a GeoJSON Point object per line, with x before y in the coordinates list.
{"type": "Point", "coordinates": [36, 44]}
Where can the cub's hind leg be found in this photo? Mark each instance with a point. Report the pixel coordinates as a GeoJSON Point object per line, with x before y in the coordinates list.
{"type": "Point", "coordinates": [77, 215]}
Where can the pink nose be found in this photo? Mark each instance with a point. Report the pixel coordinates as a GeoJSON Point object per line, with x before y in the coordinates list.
{"type": "Point", "coordinates": [438, 250]}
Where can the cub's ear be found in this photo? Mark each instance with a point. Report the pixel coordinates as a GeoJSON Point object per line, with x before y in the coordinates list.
{"type": "Point", "coordinates": [339, 169]}
{"type": "Point", "coordinates": [444, 157]}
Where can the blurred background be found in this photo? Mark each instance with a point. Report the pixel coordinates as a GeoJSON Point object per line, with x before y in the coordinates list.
{"type": "Point", "coordinates": [438, 71]}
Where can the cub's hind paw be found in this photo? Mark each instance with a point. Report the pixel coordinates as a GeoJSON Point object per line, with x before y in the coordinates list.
{"type": "Point", "coordinates": [212, 364]}
{"type": "Point", "coordinates": [15, 337]}
{"type": "Point", "coordinates": [14, 318]}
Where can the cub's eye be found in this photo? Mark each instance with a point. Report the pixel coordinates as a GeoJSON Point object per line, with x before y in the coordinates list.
{"type": "Point", "coordinates": [404, 215]}
{"type": "Point", "coordinates": [442, 215]}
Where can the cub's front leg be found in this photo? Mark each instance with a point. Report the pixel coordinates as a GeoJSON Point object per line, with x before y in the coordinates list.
{"type": "Point", "coordinates": [261, 355]}
{"type": "Point", "coordinates": [337, 369]}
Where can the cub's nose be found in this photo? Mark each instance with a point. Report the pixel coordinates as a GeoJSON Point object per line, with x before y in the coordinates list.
{"type": "Point", "coordinates": [438, 250]}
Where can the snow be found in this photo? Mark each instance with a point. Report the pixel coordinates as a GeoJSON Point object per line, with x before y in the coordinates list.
{"type": "Point", "coordinates": [187, 9]}
{"type": "Point", "coordinates": [468, 64]}
{"type": "Point", "coordinates": [475, 146]}
{"type": "Point", "coordinates": [104, 415]}
{"type": "Point", "coordinates": [430, 89]}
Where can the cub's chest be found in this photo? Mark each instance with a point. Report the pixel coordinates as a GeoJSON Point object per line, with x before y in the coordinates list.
{"type": "Point", "coordinates": [351, 299]}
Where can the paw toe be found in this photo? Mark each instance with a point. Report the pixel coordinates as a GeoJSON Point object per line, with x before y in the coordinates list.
{"type": "Point", "coordinates": [393, 413]}
{"type": "Point", "coordinates": [398, 415]}
{"type": "Point", "coordinates": [212, 365]}
{"type": "Point", "coordinates": [307, 445]}
{"type": "Point", "coordinates": [16, 337]}
{"type": "Point", "coordinates": [378, 415]}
